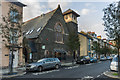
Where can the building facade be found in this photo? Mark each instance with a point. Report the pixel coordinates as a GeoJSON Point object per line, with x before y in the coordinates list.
{"type": "Point", "coordinates": [4, 45]}
{"type": "Point", "coordinates": [47, 36]}
{"type": "Point", "coordinates": [85, 44]}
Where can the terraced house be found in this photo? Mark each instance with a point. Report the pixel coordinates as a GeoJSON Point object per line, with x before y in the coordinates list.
{"type": "Point", "coordinates": [5, 47]}
{"type": "Point", "coordinates": [47, 35]}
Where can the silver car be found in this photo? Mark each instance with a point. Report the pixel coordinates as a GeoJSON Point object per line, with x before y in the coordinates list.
{"type": "Point", "coordinates": [44, 63]}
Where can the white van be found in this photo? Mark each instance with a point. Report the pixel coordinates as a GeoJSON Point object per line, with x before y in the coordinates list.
{"type": "Point", "coordinates": [114, 63]}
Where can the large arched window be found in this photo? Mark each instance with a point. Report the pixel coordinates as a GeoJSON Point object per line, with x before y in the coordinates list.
{"type": "Point", "coordinates": [59, 33]}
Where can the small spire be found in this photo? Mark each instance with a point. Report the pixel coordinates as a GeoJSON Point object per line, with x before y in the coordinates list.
{"type": "Point", "coordinates": [58, 5]}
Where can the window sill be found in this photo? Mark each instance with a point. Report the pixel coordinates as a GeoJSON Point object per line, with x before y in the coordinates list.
{"type": "Point", "coordinates": [59, 42]}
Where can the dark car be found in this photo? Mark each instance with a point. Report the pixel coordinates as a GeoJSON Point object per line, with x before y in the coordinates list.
{"type": "Point", "coordinates": [93, 59]}
{"type": "Point", "coordinates": [103, 58]}
{"type": "Point", "coordinates": [44, 63]}
{"type": "Point", "coordinates": [83, 60]}
{"type": "Point", "coordinates": [109, 58]}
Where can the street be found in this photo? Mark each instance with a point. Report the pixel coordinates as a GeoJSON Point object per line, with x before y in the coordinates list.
{"type": "Point", "coordinates": [92, 70]}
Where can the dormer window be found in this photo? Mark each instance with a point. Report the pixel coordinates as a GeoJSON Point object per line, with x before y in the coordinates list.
{"type": "Point", "coordinates": [39, 29]}
{"type": "Point", "coordinates": [30, 31]}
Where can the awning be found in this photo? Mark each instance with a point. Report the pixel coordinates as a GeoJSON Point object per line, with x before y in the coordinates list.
{"type": "Point", "coordinates": [59, 51]}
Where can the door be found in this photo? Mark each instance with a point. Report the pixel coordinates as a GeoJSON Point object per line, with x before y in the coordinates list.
{"type": "Point", "coordinates": [15, 59]}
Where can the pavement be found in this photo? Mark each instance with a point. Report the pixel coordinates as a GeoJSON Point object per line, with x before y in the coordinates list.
{"type": "Point", "coordinates": [111, 74]}
{"type": "Point", "coordinates": [16, 72]}
{"type": "Point", "coordinates": [21, 70]}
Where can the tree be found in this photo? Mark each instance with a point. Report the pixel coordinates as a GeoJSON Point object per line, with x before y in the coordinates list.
{"type": "Point", "coordinates": [11, 31]}
{"type": "Point", "coordinates": [96, 47]}
{"type": "Point", "coordinates": [111, 20]}
{"type": "Point", "coordinates": [105, 50]}
{"type": "Point", "coordinates": [73, 43]}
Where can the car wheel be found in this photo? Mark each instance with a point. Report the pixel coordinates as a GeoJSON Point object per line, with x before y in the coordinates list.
{"type": "Point", "coordinates": [57, 66]}
{"type": "Point", "coordinates": [83, 62]}
{"type": "Point", "coordinates": [89, 62]}
{"type": "Point", "coordinates": [40, 68]}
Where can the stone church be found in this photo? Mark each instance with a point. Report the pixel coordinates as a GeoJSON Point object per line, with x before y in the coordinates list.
{"type": "Point", "coordinates": [47, 35]}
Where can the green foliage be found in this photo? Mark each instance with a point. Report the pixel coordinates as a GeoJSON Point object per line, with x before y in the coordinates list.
{"type": "Point", "coordinates": [111, 20]}
{"type": "Point", "coordinates": [73, 42]}
{"type": "Point", "coordinates": [96, 47]}
{"type": "Point", "coordinates": [106, 50]}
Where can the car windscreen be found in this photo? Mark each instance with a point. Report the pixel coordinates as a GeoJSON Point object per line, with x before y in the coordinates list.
{"type": "Point", "coordinates": [115, 59]}
{"type": "Point", "coordinates": [87, 57]}
{"type": "Point", "coordinates": [102, 56]}
{"type": "Point", "coordinates": [41, 60]}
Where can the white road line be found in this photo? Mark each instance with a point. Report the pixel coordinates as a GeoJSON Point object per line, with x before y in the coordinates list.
{"type": "Point", "coordinates": [71, 67]}
{"type": "Point", "coordinates": [39, 73]}
{"type": "Point", "coordinates": [88, 64]}
{"type": "Point", "coordinates": [98, 76]}
{"type": "Point", "coordinates": [88, 77]}
{"type": "Point", "coordinates": [75, 66]}
{"type": "Point", "coordinates": [106, 71]}
{"type": "Point", "coordinates": [99, 62]}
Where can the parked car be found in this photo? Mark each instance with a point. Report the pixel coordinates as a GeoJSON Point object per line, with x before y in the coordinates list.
{"type": "Point", "coordinates": [114, 63]}
{"type": "Point", "coordinates": [109, 58]}
{"type": "Point", "coordinates": [102, 58]}
{"type": "Point", "coordinates": [44, 63]}
{"type": "Point", "coordinates": [83, 59]}
{"type": "Point", "coordinates": [93, 59]}
{"type": "Point", "coordinates": [112, 56]}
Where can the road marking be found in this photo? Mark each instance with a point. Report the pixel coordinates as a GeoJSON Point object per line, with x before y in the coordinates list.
{"type": "Point", "coordinates": [106, 71]}
{"type": "Point", "coordinates": [99, 62]}
{"type": "Point", "coordinates": [88, 64]}
{"type": "Point", "coordinates": [86, 77]}
{"type": "Point", "coordinates": [39, 73]}
{"type": "Point", "coordinates": [98, 76]}
{"type": "Point", "coordinates": [75, 66]}
{"type": "Point", "coordinates": [71, 67]}
{"type": "Point", "coordinates": [101, 74]}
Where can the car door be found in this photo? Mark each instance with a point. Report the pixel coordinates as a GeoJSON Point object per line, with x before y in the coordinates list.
{"type": "Point", "coordinates": [46, 64]}
{"type": "Point", "coordinates": [51, 63]}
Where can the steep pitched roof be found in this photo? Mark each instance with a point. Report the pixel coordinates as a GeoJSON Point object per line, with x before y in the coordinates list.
{"type": "Point", "coordinates": [33, 27]}
{"type": "Point", "coordinates": [70, 11]}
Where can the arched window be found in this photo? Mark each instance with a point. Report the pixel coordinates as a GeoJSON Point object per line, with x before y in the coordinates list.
{"type": "Point", "coordinates": [58, 33]}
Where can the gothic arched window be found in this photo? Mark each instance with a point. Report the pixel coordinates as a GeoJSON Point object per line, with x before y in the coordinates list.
{"type": "Point", "coordinates": [58, 33]}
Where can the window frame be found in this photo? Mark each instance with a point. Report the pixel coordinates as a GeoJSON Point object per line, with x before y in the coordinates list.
{"type": "Point", "coordinates": [59, 34]}
{"type": "Point", "coordinates": [13, 15]}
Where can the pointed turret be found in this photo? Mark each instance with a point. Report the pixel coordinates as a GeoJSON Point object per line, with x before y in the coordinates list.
{"type": "Point", "coordinates": [70, 16]}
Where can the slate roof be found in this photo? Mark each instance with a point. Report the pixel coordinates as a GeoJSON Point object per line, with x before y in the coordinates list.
{"type": "Point", "coordinates": [19, 4]}
{"type": "Point", "coordinates": [70, 11]}
{"type": "Point", "coordinates": [36, 25]}
{"type": "Point", "coordinates": [16, 2]}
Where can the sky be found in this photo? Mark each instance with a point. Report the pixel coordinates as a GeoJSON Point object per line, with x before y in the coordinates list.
{"type": "Point", "coordinates": [91, 12]}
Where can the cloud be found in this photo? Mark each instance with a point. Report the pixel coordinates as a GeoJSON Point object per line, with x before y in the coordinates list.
{"type": "Point", "coordinates": [32, 9]}
{"type": "Point", "coordinates": [88, 4]}
{"type": "Point", "coordinates": [84, 11]}
{"type": "Point", "coordinates": [36, 8]}
{"type": "Point", "coordinates": [98, 28]}
{"type": "Point", "coordinates": [55, 3]}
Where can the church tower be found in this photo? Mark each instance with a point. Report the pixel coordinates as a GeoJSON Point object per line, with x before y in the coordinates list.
{"type": "Point", "coordinates": [70, 17]}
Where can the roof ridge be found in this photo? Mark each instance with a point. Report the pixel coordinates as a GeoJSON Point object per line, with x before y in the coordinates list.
{"type": "Point", "coordinates": [31, 19]}
{"type": "Point", "coordinates": [41, 14]}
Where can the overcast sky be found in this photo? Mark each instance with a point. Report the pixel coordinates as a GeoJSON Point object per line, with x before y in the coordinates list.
{"type": "Point", "coordinates": [90, 12]}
